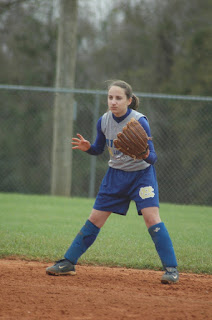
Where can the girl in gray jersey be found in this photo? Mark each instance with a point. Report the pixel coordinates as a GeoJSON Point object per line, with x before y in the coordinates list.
{"type": "Point", "coordinates": [126, 179]}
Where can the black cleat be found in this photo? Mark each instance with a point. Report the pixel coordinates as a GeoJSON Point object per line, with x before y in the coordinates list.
{"type": "Point", "coordinates": [170, 276]}
{"type": "Point", "coordinates": [61, 267]}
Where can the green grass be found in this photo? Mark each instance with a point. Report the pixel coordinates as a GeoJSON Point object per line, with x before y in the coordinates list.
{"type": "Point", "coordinates": [42, 228]}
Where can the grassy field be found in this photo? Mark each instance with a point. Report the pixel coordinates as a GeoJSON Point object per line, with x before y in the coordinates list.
{"type": "Point", "coordinates": [42, 228]}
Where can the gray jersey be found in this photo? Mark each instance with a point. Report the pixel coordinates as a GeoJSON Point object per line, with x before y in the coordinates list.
{"type": "Point", "coordinates": [111, 128]}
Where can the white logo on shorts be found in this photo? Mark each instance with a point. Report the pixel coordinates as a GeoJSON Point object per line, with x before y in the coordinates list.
{"type": "Point", "coordinates": [146, 192]}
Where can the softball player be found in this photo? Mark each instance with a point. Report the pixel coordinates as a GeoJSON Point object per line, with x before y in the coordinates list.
{"type": "Point", "coordinates": [126, 179]}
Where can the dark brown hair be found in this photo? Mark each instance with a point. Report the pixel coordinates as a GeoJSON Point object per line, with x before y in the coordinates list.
{"type": "Point", "coordinates": [128, 91]}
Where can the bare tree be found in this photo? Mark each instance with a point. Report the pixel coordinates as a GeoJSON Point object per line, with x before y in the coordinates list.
{"type": "Point", "coordinates": [63, 108]}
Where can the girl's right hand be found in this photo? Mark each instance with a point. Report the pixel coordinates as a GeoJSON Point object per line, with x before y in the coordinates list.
{"type": "Point", "coordinates": [80, 143]}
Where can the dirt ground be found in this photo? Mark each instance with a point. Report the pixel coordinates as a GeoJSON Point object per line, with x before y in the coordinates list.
{"type": "Point", "coordinates": [100, 293]}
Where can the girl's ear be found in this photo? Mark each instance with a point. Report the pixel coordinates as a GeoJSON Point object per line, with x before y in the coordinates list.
{"type": "Point", "coordinates": [129, 101]}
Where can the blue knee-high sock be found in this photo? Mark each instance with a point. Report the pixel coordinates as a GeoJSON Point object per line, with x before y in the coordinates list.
{"type": "Point", "coordinates": [84, 239]}
{"type": "Point", "coordinates": [163, 245]}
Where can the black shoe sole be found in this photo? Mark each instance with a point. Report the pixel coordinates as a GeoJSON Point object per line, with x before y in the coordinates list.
{"type": "Point", "coordinates": [52, 273]}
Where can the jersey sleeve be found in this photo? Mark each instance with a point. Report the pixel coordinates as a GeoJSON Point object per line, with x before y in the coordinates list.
{"type": "Point", "coordinates": [99, 145]}
{"type": "Point", "coordinates": [152, 158]}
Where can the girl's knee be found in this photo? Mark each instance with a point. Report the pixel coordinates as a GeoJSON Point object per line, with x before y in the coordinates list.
{"type": "Point", "coordinates": [151, 216]}
{"type": "Point", "coordinates": [98, 218]}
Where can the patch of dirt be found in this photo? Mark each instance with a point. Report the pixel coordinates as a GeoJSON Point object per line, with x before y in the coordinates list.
{"type": "Point", "coordinates": [100, 293]}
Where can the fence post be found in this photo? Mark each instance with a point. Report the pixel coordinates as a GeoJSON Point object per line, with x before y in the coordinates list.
{"type": "Point", "coordinates": [93, 158]}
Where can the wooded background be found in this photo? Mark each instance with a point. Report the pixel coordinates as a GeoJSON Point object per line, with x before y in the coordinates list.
{"type": "Point", "coordinates": [157, 46]}
{"type": "Point", "coordinates": [161, 46]}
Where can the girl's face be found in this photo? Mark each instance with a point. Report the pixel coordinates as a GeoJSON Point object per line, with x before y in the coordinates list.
{"type": "Point", "coordinates": [118, 101]}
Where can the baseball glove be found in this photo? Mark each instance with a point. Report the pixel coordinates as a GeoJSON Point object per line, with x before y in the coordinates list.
{"type": "Point", "coordinates": [133, 140]}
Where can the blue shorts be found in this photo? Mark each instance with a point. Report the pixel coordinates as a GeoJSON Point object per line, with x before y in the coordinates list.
{"type": "Point", "coordinates": [119, 187]}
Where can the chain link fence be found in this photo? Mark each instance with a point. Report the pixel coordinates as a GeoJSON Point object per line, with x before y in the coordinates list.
{"type": "Point", "coordinates": [180, 125]}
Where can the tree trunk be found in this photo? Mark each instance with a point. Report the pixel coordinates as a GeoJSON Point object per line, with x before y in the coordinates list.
{"type": "Point", "coordinates": [63, 107]}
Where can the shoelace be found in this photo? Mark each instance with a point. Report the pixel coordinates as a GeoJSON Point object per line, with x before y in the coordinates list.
{"type": "Point", "coordinates": [59, 261]}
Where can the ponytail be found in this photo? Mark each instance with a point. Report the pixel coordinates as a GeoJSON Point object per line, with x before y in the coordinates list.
{"type": "Point", "coordinates": [135, 102]}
